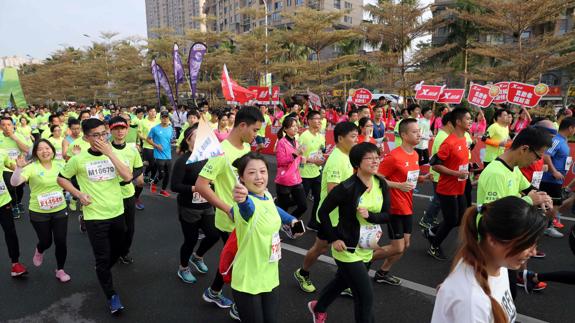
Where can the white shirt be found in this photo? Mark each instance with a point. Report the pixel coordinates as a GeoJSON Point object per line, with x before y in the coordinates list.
{"type": "Point", "coordinates": [179, 118]}
{"type": "Point", "coordinates": [461, 299]}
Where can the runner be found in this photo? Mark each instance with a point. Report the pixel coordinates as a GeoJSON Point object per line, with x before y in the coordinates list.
{"type": "Point", "coordinates": [255, 272]}
{"type": "Point", "coordinates": [100, 174]}
{"type": "Point", "coordinates": [219, 171]}
{"type": "Point", "coordinates": [366, 131]}
{"type": "Point", "coordinates": [363, 203]}
{"type": "Point", "coordinates": [193, 118]}
{"type": "Point", "coordinates": [222, 131]}
{"type": "Point", "coordinates": [24, 129]}
{"type": "Point", "coordinates": [47, 206]}
{"type": "Point", "coordinates": [497, 136]}
{"type": "Point", "coordinates": [503, 234]}
{"type": "Point", "coordinates": [130, 156]}
{"type": "Point", "coordinates": [426, 134]}
{"type": "Point", "coordinates": [148, 150]}
{"type": "Point", "coordinates": [179, 119]}
{"type": "Point", "coordinates": [160, 137]}
{"type": "Point", "coordinates": [56, 140]}
{"type": "Point", "coordinates": [261, 137]}
{"type": "Point", "coordinates": [336, 170]}
{"type": "Point", "coordinates": [194, 212]}
{"type": "Point", "coordinates": [313, 143]}
{"type": "Point", "coordinates": [451, 162]}
{"type": "Point", "coordinates": [378, 122]}
{"type": "Point", "coordinates": [13, 145]}
{"type": "Point", "coordinates": [401, 171]}
{"type": "Point", "coordinates": [75, 133]}
{"type": "Point", "coordinates": [53, 120]}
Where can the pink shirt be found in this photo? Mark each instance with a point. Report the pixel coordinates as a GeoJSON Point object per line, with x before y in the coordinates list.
{"type": "Point", "coordinates": [520, 125]}
{"type": "Point", "coordinates": [478, 128]}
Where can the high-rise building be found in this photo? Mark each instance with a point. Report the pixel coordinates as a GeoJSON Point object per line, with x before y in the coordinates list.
{"type": "Point", "coordinates": [178, 15]}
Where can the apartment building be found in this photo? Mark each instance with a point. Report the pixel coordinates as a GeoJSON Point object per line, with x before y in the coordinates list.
{"type": "Point", "coordinates": [176, 14]}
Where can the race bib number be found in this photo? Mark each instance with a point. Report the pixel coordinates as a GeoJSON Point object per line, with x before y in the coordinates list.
{"type": "Point", "coordinates": [463, 168]}
{"type": "Point", "coordinates": [536, 180]}
{"type": "Point", "coordinates": [58, 155]}
{"type": "Point", "coordinates": [568, 163]}
{"type": "Point", "coordinates": [100, 170]}
{"type": "Point", "coordinates": [198, 199]}
{"type": "Point", "coordinates": [3, 188]}
{"type": "Point", "coordinates": [49, 201]}
{"type": "Point", "coordinates": [412, 176]}
{"type": "Point", "coordinates": [369, 236]}
{"type": "Point", "coordinates": [13, 153]}
{"type": "Point", "coordinates": [276, 252]}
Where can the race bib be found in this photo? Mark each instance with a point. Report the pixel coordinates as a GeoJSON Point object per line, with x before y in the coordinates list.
{"type": "Point", "coordinates": [412, 176]}
{"type": "Point", "coordinates": [369, 235]}
{"type": "Point", "coordinates": [568, 163]}
{"type": "Point", "coordinates": [198, 199]}
{"type": "Point", "coordinates": [58, 155]}
{"type": "Point", "coordinates": [463, 168]}
{"type": "Point", "coordinates": [100, 170]}
{"type": "Point", "coordinates": [3, 188]}
{"type": "Point", "coordinates": [13, 153]}
{"type": "Point", "coordinates": [276, 252]}
{"type": "Point", "coordinates": [536, 180]}
{"type": "Point", "coordinates": [52, 200]}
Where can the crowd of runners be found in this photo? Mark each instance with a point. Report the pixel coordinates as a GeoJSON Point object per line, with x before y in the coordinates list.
{"type": "Point", "coordinates": [98, 160]}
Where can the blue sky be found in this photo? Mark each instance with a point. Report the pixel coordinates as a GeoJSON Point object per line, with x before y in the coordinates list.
{"type": "Point", "coordinates": [40, 27]}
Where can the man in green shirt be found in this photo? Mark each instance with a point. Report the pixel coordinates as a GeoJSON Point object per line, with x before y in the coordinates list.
{"type": "Point", "coordinates": [100, 174]}
{"type": "Point", "coordinates": [261, 137]}
{"type": "Point", "coordinates": [336, 170]}
{"type": "Point", "coordinates": [193, 116]}
{"type": "Point", "coordinates": [497, 136]}
{"type": "Point", "coordinates": [148, 152]}
{"type": "Point", "coordinates": [220, 172]}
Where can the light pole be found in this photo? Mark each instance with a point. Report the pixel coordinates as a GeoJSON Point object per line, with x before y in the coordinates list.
{"type": "Point", "coordinates": [266, 52]}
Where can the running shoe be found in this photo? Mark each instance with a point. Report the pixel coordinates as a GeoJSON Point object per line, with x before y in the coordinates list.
{"type": "Point", "coordinates": [164, 193]}
{"type": "Point", "coordinates": [436, 253]}
{"type": "Point", "coordinates": [424, 224]}
{"type": "Point", "coordinates": [62, 276]}
{"type": "Point", "coordinates": [557, 224]}
{"type": "Point", "coordinates": [186, 276]}
{"type": "Point", "coordinates": [540, 254]}
{"type": "Point", "coordinates": [317, 317]}
{"type": "Point", "coordinates": [153, 187]}
{"type": "Point", "coordinates": [115, 305]}
{"type": "Point", "coordinates": [15, 212]}
{"type": "Point", "coordinates": [347, 292]}
{"type": "Point", "coordinates": [234, 313]}
{"type": "Point", "coordinates": [199, 264]}
{"type": "Point", "coordinates": [219, 299]}
{"type": "Point", "coordinates": [72, 206]}
{"type": "Point", "coordinates": [553, 233]}
{"type": "Point", "coordinates": [139, 205]}
{"type": "Point", "coordinates": [82, 223]}
{"type": "Point", "coordinates": [382, 277]}
{"type": "Point", "coordinates": [38, 258]}
{"type": "Point", "coordinates": [304, 282]}
{"type": "Point", "coordinates": [126, 260]}
{"type": "Point", "coordinates": [530, 286]}
{"type": "Point", "coordinates": [18, 270]}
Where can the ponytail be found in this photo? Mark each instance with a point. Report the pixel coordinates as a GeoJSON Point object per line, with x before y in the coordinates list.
{"type": "Point", "coordinates": [288, 121]}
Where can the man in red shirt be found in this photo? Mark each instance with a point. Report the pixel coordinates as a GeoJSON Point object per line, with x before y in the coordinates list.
{"type": "Point", "coordinates": [401, 170]}
{"type": "Point", "coordinates": [452, 164]}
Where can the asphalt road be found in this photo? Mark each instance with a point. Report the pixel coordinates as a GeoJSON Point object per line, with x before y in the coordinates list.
{"type": "Point", "coordinates": [151, 291]}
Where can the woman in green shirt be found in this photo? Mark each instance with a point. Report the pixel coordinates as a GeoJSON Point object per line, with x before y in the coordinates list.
{"type": "Point", "coordinates": [56, 140]}
{"type": "Point", "coordinates": [47, 206]}
{"type": "Point", "coordinates": [24, 129]}
{"type": "Point", "coordinates": [255, 275]}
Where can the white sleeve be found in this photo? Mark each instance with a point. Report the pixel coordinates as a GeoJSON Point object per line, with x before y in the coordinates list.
{"type": "Point", "coordinates": [453, 306]}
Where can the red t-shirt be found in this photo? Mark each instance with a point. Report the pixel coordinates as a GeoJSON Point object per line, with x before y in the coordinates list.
{"type": "Point", "coordinates": [395, 167]}
{"type": "Point", "coordinates": [455, 156]}
{"type": "Point", "coordinates": [361, 138]}
{"type": "Point", "coordinates": [535, 167]}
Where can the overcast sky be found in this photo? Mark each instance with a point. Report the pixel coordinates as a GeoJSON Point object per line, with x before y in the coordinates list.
{"type": "Point", "coordinates": [40, 27]}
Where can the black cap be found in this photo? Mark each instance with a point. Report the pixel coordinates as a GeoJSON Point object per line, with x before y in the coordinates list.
{"type": "Point", "coordinates": [117, 122]}
{"type": "Point", "coordinates": [164, 114]}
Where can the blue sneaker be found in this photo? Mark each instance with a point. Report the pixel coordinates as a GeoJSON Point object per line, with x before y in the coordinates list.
{"type": "Point", "coordinates": [115, 304]}
{"type": "Point", "coordinates": [219, 299]}
{"type": "Point", "coordinates": [139, 205]}
{"type": "Point", "coordinates": [199, 264]}
{"type": "Point", "coordinates": [186, 276]}
{"type": "Point", "coordinates": [234, 313]}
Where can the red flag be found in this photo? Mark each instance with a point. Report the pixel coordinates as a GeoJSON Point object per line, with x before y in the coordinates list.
{"type": "Point", "coordinates": [232, 91]}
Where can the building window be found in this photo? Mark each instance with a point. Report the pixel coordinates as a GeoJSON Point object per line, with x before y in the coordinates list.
{"type": "Point", "coordinates": [276, 16]}
{"type": "Point", "coordinates": [288, 3]}
{"type": "Point", "coordinates": [348, 5]}
{"type": "Point", "coordinates": [298, 2]}
{"type": "Point", "coordinates": [337, 4]}
{"type": "Point", "coordinates": [347, 19]}
{"type": "Point", "coordinates": [277, 6]}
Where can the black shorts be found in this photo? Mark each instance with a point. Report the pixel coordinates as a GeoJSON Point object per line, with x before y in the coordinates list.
{"type": "Point", "coordinates": [553, 190]}
{"type": "Point", "coordinates": [399, 225]}
{"type": "Point", "coordinates": [320, 234]}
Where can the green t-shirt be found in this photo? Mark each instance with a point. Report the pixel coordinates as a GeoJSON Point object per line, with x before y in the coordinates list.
{"type": "Point", "coordinates": [46, 134]}
{"type": "Point", "coordinates": [219, 171]}
{"type": "Point", "coordinates": [97, 177]}
{"type": "Point", "coordinates": [337, 169]}
{"type": "Point", "coordinates": [371, 201]}
{"type": "Point", "coordinates": [46, 196]}
{"type": "Point", "coordinates": [398, 140]}
{"type": "Point", "coordinates": [4, 194]}
{"type": "Point", "coordinates": [132, 135]}
{"type": "Point", "coordinates": [145, 126]}
{"type": "Point", "coordinates": [254, 271]}
{"type": "Point", "coordinates": [267, 121]}
{"type": "Point", "coordinates": [80, 142]}
{"type": "Point", "coordinates": [313, 147]}
{"type": "Point", "coordinates": [57, 143]}
{"type": "Point", "coordinates": [33, 122]}
{"type": "Point", "coordinates": [72, 114]}
{"type": "Point", "coordinates": [439, 138]}
{"type": "Point", "coordinates": [43, 121]}
{"type": "Point", "coordinates": [131, 158]}
{"type": "Point", "coordinates": [10, 147]}
{"type": "Point", "coordinates": [498, 181]}
{"type": "Point", "coordinates": [26, 131]}
{"type": "Point", "coordinates": [181, 136]}
{"type": "Point", "coordinates": [499, 133]}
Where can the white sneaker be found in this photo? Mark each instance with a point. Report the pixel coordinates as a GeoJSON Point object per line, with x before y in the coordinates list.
{"type": "Point", "coordinates": [553, 233]}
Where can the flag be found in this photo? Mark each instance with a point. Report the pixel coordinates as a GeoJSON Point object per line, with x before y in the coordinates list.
{"type": "Point", "coordinates": [314, 98]}
{"type": "Point", "coordinates": [227, 85]}
{"type": "Point", "coordinates": [234, 92]}
{"type": "Point", "coordinates": [195, 57]}
{"type": "Point", "coordinates": [206, 145]}
{"type": "Point", "coordinates": [179, 76]}
{"type": "Point", "coordinates": [161, 79]}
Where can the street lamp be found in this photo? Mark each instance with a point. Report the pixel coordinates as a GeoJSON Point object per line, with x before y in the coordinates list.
{"type": "Point", "coordinates": [266, 51]}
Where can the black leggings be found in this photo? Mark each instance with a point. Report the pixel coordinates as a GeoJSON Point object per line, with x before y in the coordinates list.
{"type": "Point", "coordinates": [313, 184]}
{"type": "Point", "coordinates": [10, 236]}
{"type": "Point", "coordinates": [355, 276]}
{"type": "Point", "coordinates": [566, 277]}
{"type": "Point", "coordinates": [17, 192]}
{"type": "Point", "coordinates": [148, 155]}
{"type": "Point", "coordinates": [163, 168]}
{"type": "Point", "coordinates": [191, 230]}
{"type": "Point", "coordinates": [452, 207]}
{"type": "Point", "coordinates": [55, 229]}
{"type": "Point", "coordinates": [259, 308]}
{"type": "Point", "coordinates": [130, 218]}
{"type": "Point", "coordinates": [218, 282]}
{"type": "Point", "coordinates": [290, 195]}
